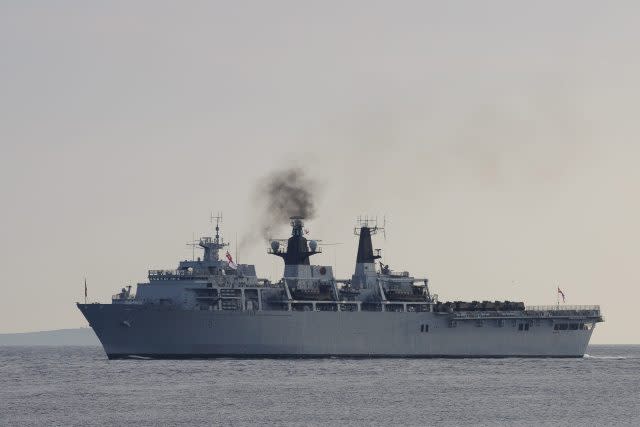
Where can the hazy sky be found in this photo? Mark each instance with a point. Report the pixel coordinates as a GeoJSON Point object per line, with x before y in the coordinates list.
{"type": "Point", "coordinates": [498, 137]}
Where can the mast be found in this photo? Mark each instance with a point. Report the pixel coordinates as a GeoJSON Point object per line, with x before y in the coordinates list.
{"type": "Point", "coordinates": [297, 250]}
{"type": "Point", "coordinates": [212, 246]}
{"type": "Point", "coordinates": [365, 272]}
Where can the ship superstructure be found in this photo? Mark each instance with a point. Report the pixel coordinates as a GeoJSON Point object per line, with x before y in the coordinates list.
{"type": "Point", "coordinates": [207, 283]}
{"type": "Point", "coordinates": [212, 307]}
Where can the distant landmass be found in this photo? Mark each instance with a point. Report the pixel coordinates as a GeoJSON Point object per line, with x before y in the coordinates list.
{"type": "Point", "coordinates": [60, 337]}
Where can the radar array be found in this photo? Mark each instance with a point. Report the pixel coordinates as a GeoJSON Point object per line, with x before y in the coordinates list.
{"type": "Point", "coordinates": [372, 224]}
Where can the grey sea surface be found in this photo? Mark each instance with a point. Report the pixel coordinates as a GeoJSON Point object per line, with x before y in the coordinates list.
{"type": "Point", "coordinates": [79, 386]}
{"type": "Point", "coordinates": [56, 338]}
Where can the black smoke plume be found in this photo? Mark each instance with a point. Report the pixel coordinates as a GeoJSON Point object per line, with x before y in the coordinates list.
{"type": "Point", "coordinates": [283, 194]}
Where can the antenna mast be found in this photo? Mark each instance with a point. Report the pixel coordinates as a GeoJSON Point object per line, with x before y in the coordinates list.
{"type": "Point", "coordinates": [193, 245]}
{"type": "Point", "coordinates": [218, 218]}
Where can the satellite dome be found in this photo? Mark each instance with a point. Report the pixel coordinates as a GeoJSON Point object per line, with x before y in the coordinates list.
{"type": "Point", "coordinates": [313, 245]}
{"type": "Point", "coordinates": [275, 245]}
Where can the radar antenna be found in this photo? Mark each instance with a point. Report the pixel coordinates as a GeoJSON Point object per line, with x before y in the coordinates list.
{"type": "Point", "coordinates": [371, 224]}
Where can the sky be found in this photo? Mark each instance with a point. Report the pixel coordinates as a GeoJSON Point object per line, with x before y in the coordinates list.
{"type": "Point", "coordinates": [498, 138]}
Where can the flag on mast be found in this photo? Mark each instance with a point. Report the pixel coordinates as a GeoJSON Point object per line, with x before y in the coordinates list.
{"type": "Point", "coordinates": [85, 290]}
{"type": "Point", "coordinates": [230, 261]}
{"type": "Point", "coordinates": [561, 293]}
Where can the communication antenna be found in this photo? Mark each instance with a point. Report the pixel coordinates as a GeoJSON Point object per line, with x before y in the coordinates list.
{"type": "Point", "coordinates": [218, 219]}
{"type": "Point", "coordinates": [193, 245]}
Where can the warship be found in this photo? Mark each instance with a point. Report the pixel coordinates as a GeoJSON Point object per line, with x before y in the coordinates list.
{"type": "Point", "coordinates": [212, 307]}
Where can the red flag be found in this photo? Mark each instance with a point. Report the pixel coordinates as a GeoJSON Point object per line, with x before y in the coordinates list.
{"type": "Point", "coordinates": [561, 293]}
{"type": "Point", "coordinates": [230, 261]}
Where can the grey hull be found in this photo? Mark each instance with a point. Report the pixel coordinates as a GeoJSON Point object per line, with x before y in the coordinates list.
{"type": "Point", "coordinates": [169, 332]}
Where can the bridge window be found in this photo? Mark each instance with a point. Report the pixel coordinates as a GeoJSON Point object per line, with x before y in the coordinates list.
{"type": "Point", "coordinates": [424, 328]}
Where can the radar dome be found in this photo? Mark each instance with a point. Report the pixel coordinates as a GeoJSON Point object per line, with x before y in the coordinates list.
{"type": "Point", "coordinates": [313, 245]}
{"type": "Point", "coordinates": [275, 245]}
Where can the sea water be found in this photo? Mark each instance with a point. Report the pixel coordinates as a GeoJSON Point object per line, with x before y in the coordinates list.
{"type": "Point", "coordinates": [79, 386]}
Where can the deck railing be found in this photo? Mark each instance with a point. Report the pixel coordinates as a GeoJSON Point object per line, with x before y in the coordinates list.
{"type": "Point", "coordinates": [175, 274]}
{"type": "Point", "coordinates": [535, 311]}
{"type": "Point", "coordinates": [171, 273]}
{"type": "Point", "coordinates": [563, 308]}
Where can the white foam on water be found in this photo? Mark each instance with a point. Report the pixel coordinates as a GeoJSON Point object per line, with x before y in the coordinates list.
{"type": "Point", "coordinates": [588, 356]}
